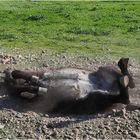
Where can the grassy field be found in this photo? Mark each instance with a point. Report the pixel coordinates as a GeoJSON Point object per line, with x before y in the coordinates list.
{"type": "Point", "coordinates": [97, 28]}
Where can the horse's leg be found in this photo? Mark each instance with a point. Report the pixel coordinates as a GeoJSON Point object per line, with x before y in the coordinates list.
{"type": "Point", "coordinates": [28, 91]}
{"type": "Point", "coordinates": [38, 73]}
{"type": "Point", "coordinates": [26, 75]}
{"type": "Point", "coordinates": [25, 88]}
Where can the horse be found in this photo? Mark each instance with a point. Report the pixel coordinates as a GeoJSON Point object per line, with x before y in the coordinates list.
{"type": "Point", "coordinates": [75, 91]}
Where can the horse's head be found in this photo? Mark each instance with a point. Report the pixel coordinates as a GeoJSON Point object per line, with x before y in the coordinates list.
{"type": "Point", "coordinates": [123, 65]}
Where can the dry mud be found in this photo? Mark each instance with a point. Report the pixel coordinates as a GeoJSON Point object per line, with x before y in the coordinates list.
{"type": "Point", "coordinates": [23, 119]}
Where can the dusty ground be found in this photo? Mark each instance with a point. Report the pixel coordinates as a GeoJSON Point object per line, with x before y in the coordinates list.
{"type": "Point", "coordinates": [17, 120]}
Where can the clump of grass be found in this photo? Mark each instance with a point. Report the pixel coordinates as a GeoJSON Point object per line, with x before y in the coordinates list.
{"type": "Point", "coordinates": [134, 29]}
{"type": "Point", "coordinates": [35, 17]}
{"type": "Point", "coordinates": [93, 9]}
{"type": "Point", "coordinates": [86, 31]}
{"type": "Point", "coordinates": [7, 36]}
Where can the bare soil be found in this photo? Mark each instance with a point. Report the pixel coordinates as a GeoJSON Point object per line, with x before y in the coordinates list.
{"type": "Point", "coordinates": [20, 118]}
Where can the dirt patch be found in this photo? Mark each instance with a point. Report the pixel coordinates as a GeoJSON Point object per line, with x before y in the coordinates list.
{"type": "Point", "coordinates": [20, 119]}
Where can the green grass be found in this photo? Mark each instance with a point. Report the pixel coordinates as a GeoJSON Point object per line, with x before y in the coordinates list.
{"type": "Point", "coordinates": [98, 28]}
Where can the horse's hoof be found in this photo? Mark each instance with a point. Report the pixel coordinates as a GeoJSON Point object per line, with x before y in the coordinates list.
{"type": "Point", "coordinates": [42, 91]}
{"type": "Point", "coordinates": [27, 95]}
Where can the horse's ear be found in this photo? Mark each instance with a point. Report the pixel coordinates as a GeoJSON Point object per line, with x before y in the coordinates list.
{"type": "Point", "coordinates": [123, 63]}
{"type": "Point", "coordinates": [124, 81]}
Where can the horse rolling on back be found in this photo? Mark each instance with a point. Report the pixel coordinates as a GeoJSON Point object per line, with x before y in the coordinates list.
{"type": "Point", "coordinates": [75, 91]}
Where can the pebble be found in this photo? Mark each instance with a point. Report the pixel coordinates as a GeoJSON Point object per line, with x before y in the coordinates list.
{"type": "Point", "coordinates": [42, 51]}
{"type": "Point", "coordinates": [85, 137]}
{"type": "Point", "coordinates": [68, 137]}
{"type": "Point", "coordinates": [125, 132]}
{"type": "Point", "coordinates": [134, 134]}
{"type": "Point", "coordinates": [14, 112]}
{"type": "Point", "coordinates": [1, 126]}
{"type": "Point", "coordinates": [107, 128]}
{"type": "Point", "coordinates": [117, 128]}
{"type": "Point", "coordinates": [64, 56]}
{"type": "Point", "coordinates": [54, 134]}
{"type": "Point", "coordinates": [46, 115]}
{"type": "Point", "coordinates": [19, 115]}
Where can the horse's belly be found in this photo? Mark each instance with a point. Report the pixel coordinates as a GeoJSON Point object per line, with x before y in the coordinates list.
{"type": "Point", "coordinates": [70, 88]}
{"type": "Point", "coordinates": [69, 83]}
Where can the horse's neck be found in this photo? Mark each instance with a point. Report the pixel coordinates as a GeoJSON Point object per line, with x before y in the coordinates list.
{"type": "Point", "coordinates": [106, 78]}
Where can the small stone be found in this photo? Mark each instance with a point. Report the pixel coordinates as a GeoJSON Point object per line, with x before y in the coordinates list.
{"type": "Point", "coordinates": [125, 132]}
{"type": "Point", "coordinates": [44, 130]}
{"type": "Point", "coordinates": [117, 128]}
{"type": "Point", "coordinates": [14, 62]}
{"type": "Point", "coordinates": [75, 131]}
{"type": "Point", "coordinates": [42, 51]}
{"type": "Point", "coordinates": [137, 111]}
{"type": "Point", "coordinates": [124, 113]}
{"type": "Point", "coordinates": [54, 134]}
{"type": "Point", "coordinates": [117, 121]}
{"type": "Point", "coordinates": [20, 56]}
{"type": "Point", "coordinates": [103, 131]}
{"type": "Point", "coordinates": [45, 65]}
{"type": "Point", "coordinates": [64, 56]}
{"type": "Point", "coordinates": [109, 116]}
{"type": "Point", "coordinates": [14, 112]}
{"type": "Point", "coordinates": [85, 137]}
{"type": "Point", "coordinates": [107, 128]}
{"type": "Point", "coordinates": [48, 137]}
{"type": "Point", "coordinates": [68, 137]}
{"type": "Point", "coordinates": [78, 127]}
{"type": "Point", "coordinates": [1, 126]}
{"type": "Point", "coordinates": [23, 133]}
{"type": "Point", "coordinates": [19, 115]}
{"type": "Point", "coordinates": [134, 134]}
{"type": "Point", "coordinates": [44, 127]}
{"type": "Point", "coordinates": [136, 118]}
{"type": "Point", "coordinates": [46, 115]}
